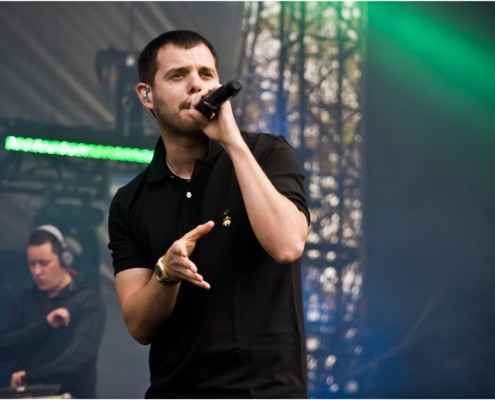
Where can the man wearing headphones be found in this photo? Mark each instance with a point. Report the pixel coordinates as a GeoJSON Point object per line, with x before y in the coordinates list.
{"type": "Point", "coordinates": [54, 327]}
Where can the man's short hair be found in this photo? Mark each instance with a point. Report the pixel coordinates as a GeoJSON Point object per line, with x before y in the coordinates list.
{"type": "Point", "coordinates": [147, 62]}
{"type": "Point", "coordinates": [50, 234]}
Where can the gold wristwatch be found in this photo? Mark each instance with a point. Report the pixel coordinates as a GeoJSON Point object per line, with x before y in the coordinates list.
{"type": "Point", "coordinates": [162, 275]}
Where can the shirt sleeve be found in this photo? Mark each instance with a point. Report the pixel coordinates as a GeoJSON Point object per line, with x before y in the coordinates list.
{"type": "Point", "coordinates": [125, 253]}
{"type": "Point", "coordinates": [18, 339]}
{"type": "Point", "coordinates": [280, 163]}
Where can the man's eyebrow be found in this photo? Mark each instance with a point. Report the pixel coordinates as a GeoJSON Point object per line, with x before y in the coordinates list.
{"type": "Point", "coordinates": [174, 71]}
{"type": "Point", "coordinates": [186, 69]}
{"type": "Point", "coordinates": [207, 69]}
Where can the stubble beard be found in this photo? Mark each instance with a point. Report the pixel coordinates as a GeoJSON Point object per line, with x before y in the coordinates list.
{"type": "Point", "coordinates": [176, 122]}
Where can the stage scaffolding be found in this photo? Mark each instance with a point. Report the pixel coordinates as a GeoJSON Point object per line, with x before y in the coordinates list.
{"type": "Point", "coordinates": [302, 68]}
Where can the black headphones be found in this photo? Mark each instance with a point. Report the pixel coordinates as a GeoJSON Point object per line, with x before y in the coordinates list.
{"type": "Point", "coordinates": [66, 257]}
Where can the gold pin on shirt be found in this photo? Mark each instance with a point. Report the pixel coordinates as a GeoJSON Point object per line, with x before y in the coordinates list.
{"type": "Point", "coordinates": [226, 219]}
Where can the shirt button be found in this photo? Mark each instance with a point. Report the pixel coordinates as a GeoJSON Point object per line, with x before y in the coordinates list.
{"type": "Point", "coordinates": [188, 195]}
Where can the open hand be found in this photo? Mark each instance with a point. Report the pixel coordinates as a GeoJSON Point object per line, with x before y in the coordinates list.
{"type": "Point", "coordinates": [177, 261]}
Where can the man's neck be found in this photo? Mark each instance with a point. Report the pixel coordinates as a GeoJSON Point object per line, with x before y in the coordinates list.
{"type": "Point", "coordinates": [182, 153]}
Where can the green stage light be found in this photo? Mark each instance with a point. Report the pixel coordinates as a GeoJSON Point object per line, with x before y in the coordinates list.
{"type": "Point", "coordinates": [80, 150]}
{"type": "Point", "coordinates": [439, 61]}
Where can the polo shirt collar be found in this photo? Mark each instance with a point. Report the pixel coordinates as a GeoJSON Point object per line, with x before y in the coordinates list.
{"type": "Point", "coordinates": [214, 150]}
{"type": "Point", "coordinates": [157, 169]}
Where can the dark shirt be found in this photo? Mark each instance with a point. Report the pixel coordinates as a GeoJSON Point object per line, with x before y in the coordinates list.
{"type": "Point", "coordinates": [245, 336]}
{"type": "Point", "coordinates": [65, 356]}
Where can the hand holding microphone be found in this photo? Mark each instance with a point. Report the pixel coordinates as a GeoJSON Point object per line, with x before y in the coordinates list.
{"type": "Point", "coordinates": [210, 104]}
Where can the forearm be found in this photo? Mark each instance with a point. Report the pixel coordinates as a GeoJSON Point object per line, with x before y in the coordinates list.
{"type": "Point", "coordinates": [17, 342]}
{"type": "Point", "coordinates": [83, 348]}
{"type": "Point", "coordinates": [277, 223]}
{"type": "Point", "coordinates": [146, 304]}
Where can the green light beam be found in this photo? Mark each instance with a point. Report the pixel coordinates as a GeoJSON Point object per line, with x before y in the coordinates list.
{"type": "Point", "coordinates": [79, 150]}
{"type": "Point", "coordinates": [448, 66]}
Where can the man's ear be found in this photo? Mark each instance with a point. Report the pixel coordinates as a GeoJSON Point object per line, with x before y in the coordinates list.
{"type": "Point", "coordinates": [145, 94]}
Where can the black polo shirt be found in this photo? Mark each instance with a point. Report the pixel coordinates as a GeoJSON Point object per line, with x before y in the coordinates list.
{"type": "Point", "coordinates": [245, 336]}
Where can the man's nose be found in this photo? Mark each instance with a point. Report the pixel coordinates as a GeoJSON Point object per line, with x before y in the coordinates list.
{"type": "Point", "coordinates": [196, 84]}
{"type": "Point", "coordinates": [36, 269]}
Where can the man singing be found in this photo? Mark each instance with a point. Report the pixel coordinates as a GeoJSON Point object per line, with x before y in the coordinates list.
{"type": "Point", "coordinates": [206, 241]}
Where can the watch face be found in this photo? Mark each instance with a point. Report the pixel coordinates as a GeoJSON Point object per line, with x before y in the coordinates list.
{"type": "Point", "coordinates": [158, 273]}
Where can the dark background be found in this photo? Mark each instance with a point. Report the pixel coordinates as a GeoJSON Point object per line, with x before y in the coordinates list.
{"type": "Point", "coordinates": [430, 202]}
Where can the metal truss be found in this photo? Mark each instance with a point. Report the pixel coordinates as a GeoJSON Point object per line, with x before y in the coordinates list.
{"type": "Point", "coordinates": [301, 64]}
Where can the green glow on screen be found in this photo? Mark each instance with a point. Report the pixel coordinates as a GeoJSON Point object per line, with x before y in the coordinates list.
{"type": "Point", "coordinates": [450, 66]}
{"type": "Point", "coordinates": [80, 150]}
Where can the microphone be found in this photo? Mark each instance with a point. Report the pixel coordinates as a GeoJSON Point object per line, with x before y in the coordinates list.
{"type": "Point", "coordinates": [210, 104]}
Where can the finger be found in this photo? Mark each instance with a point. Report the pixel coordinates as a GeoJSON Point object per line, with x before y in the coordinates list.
{"type": "Point", "coordinates": [66, 315]}
{"type": "Point", "coordinates": [188, 272]}
{"type": "Point", "coordinates": [203, 285]}
{"type": "Point", "coordinates": [200, 282]}
{"type": "Point", "coordinates": [181, 247]}
{"type": "Point", "coordinates": [182, 267]}
{"type": "Point", "coordinates": [199, 118]}
{"type": "Point", "coordinates": [199, 231]}
{"type": "Point", "coordinates": [198, 97]}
